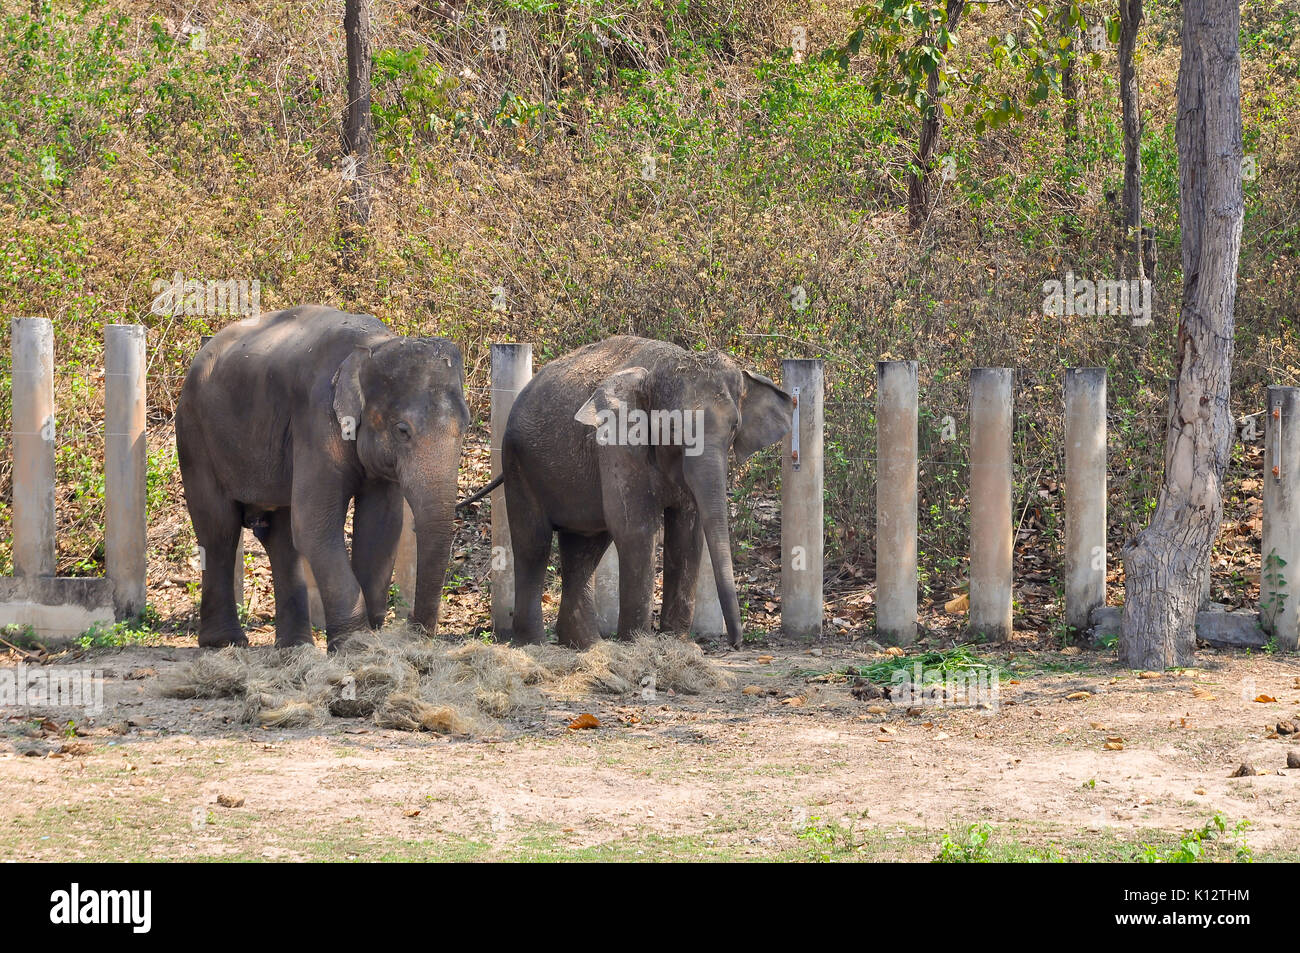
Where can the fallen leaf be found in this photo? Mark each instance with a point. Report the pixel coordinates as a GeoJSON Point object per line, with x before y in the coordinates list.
{"type": "Point", "coordinates": [585, 720]}
{"type": "Point", "coordinates": [1265, 699]}
{"type": "Point", "coordinates": [1078, 696]}
{"type": "Point", "coordinates": [895, 651]}
{"type": "Point", "coordinates": [414, 813]}
{"type": "Point", "coordinates": [751, 690]}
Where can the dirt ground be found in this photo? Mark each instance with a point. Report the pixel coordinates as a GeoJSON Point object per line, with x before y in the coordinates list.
{"type": "Point", "coordinates": [787, 764]}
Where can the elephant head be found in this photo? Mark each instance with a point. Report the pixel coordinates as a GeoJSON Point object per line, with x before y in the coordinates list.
{"type": "Point", "coordinates": [403, 403]}
{"type": "Point", "coordinates": [723, 410]}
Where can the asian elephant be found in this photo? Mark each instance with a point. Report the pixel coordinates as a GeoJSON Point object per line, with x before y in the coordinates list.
{"type": "Point", "coordinates": [285, 418]}
{"type": "Point", "coordinates": [604, 443]}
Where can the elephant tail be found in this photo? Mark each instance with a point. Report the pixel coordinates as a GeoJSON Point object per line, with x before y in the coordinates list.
{"type": "Point", "coordinates": [481, 493]}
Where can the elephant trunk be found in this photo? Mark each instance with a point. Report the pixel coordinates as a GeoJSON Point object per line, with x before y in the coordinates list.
{"type": "Point", "coordinates": [430, 488]}
{"type": "Point", "coordinates": [707, 477]}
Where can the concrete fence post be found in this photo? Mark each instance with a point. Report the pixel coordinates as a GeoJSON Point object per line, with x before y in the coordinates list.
{"type": "Point", "coordinates": [896, 477]}
{"type": "Point", "coordinates": [512, 368]}
{"type": "Point", "coordinates": [1085, 494]}
{"type": "Point", "coordinates": [607, 593]}
{"type": "Point", "coordinates": [990, 502]}
{"type": "Point", "coordinates": [126, 460]}
{"type": "Point", "coordinates": [1279, 589]}
{"type": "Point", "coordinates": [802, 532]}
{"type": "Point", "coordinates": [708, 619]}
{"type": "Point", "coordinates": [404, 568]}
{"type": "Point", "coordinates": [33, 433]}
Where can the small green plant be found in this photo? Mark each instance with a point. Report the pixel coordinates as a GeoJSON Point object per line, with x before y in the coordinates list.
{"type": "Point", "coordinates": [972, 848]}
{"type": "Point", "coordinates": [19, 636]}
{"type": "Point", "coordinates": [934, 666]}
{"type": "Point", "coordinates": [1198, 846]}
{"type": "Point", "coordinates": [1274, 581]}
{"type": "Point", "coordinates": [828, 839]}
{"type": "Point", "coordinates": [101, 635]}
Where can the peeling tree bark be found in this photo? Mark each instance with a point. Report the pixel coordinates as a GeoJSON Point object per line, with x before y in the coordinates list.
{"type": "Point", "coordinates": [1163, 564]}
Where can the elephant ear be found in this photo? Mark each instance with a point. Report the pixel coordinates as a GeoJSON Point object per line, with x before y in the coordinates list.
{"type": "Point", "coordinates": [766, 414]}
{"type": "Point", "coordinates": [348, 399]}
{"type": "Point", "coordinates": [613, 394]}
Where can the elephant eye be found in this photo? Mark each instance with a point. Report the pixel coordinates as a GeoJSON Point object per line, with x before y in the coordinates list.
{"type": "Point", "coordinates": [403, 429]}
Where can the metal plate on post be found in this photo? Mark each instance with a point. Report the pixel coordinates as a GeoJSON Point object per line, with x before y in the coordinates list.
{"type": "Point", "coordinates": [1277, 443]}
{"type": "Point", "coordinates": [794, 431]}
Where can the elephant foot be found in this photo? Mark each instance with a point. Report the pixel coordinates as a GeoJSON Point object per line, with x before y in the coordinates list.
{"type": "Point", "coordinates": [343, 640]}
{"type": "Point", "coordinates": [526, 638]}
{"type": "Point", "coordinates": [223, 638]}
{"type": "Point", "coordinates": [293, 641]}
{"type": "Point", "coordinates": [577, 634]}
{"type": "Point", "coordinates": [579, 641]}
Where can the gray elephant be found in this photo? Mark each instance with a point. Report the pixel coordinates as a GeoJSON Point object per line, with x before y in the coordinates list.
{"type": "Point", "coordinates": [286, 418]}
{"type": "Point", "coordinates": [607, 442]}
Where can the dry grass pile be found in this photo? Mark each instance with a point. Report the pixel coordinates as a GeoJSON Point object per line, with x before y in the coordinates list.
{"type": "Point", "coordinates": [660, 662]}
{"type": "Point", "coordinates": [400, 679]}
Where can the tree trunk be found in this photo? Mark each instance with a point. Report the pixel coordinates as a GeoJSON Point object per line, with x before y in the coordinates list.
{"type": "Point", "coordinates": [1130, 21]}
{"type": "Point", "coordinates": [1163, 564]}
{"type": "Point", "coordinates": [1069, 78]}
{"type": "Point", "coordinates": [1070, 116]}
{"type": "Point", "coordinates": [358, 126]}
{"type": "Point", "coordinates": [920, 184]}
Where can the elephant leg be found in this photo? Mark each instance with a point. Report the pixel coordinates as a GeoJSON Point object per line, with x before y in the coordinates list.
{"type": "Point", "coordinates": [292, 615]}
{"type": "Point", "coordinates": [683, 539]}
{"type": "Point", "coordinates": [218, 523]}
{"type": "Point", "coordinates": [576, 626]}
{"type": "Point", "coordinates": [530, 545]}
{"type": "Point", "coordinates": [376, 527]}
{"type": "Point", "coordinates": [317, 519]}
{"type": "Point", "coordinates": [636, 577]}
{"type": "Point", "coordinates": [218, 537]}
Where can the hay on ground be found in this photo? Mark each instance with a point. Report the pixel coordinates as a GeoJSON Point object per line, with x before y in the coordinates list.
{"type": "Point", "coordinates": [401, 679]}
